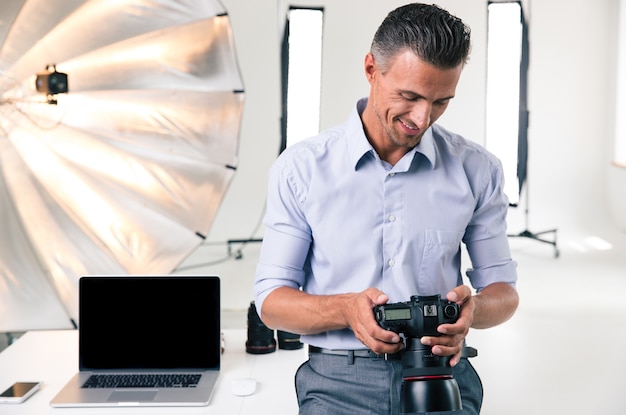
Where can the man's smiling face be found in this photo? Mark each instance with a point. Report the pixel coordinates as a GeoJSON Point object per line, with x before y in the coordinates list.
{"type": "Point", "coordinates": [406, 98]}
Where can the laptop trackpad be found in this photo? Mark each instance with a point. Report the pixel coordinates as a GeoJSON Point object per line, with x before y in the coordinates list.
{"type": "Point", "coordinates": [132, 396]}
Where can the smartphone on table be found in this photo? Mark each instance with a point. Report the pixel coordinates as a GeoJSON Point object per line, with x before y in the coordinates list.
{"type": "Point", "coordinates": [19, 392]}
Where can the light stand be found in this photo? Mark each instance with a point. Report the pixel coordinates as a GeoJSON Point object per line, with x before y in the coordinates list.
{"type": "Point", "coordinates": [507, 21]}
{"type": "Point", "coordinates": [536, 236]}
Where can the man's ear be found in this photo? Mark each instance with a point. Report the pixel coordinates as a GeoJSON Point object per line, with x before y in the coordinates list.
{"type": "Point", "coordinates": [370, 67]}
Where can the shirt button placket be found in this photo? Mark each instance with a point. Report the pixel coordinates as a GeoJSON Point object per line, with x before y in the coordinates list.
{"type": "Point", "coordinates": [391, 238]}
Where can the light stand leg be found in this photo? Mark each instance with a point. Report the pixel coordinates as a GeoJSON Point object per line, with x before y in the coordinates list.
{"type": "Point", "coordinates": [536, 236]}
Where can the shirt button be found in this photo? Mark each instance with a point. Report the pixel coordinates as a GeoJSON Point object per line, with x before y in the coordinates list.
{"type": "Point", "coordinates": [392, 262]}
{"type": "Point", "coordinates": [392, 174]}
{"type": "Point", "coordinates": [392, 218]}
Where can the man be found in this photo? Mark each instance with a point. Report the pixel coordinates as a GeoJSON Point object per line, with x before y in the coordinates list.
{"type": "Point", "coordinates": [374, 211]}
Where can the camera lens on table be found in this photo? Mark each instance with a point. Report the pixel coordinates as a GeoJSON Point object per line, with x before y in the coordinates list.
{"type": "Point", "coordinates": [288, 341]}
{"type": "Point", "coordinates": [260, 337]}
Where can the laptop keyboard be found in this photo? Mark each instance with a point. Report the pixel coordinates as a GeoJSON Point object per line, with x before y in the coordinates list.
{"type": "Point", "coordinates": [168, 380]}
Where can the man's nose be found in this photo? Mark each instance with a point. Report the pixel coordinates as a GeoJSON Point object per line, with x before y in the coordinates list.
{"type": "Point", "coordinates": [420, 114]}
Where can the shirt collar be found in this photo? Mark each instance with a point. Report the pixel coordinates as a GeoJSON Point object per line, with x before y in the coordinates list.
{"type": "Point", "coordinates": [359, 146]}
{"type": "Point", "coordinates": [427, 147]}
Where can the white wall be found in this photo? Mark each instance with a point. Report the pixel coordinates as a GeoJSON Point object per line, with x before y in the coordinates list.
{"type": "Point", "coordinates": [570, 98]}
{"type": "Point", "coordinates": [617, 172]}
{"type": "Point", "coordinates": [572, 78]}
{"type": "Point", "coordinates": [348, 29]}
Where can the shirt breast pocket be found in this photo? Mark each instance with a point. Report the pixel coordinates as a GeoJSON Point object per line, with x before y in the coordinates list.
{"type": "Point", "coordinates": [441, 262]}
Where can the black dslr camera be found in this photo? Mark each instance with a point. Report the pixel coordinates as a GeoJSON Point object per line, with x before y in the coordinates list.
{"type": "Point", "coordinates": [427, 381]}
{"type": "Point", "coordinates": [419, 317]}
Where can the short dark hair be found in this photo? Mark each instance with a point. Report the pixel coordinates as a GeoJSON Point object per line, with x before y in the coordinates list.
{"type": "Point", "coordinates": [433, 34]}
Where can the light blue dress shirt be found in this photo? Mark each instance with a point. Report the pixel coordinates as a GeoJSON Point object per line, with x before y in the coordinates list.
{"type": "Point", "coordinates": [339, 219]}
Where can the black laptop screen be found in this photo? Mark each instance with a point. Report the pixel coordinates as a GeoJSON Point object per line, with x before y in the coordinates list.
{"type": "Point", "coordinates": [148, 322]}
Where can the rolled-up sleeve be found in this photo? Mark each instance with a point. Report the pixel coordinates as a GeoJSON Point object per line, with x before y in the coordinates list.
{"type": "Point", "coordinates": [280, 264]}
{"type": "Point", "coordinates": [491, 262]}
{"type": "Point", "coordinates": [287, 236]}
{"type": "Point", "coordinates": [486, 238]}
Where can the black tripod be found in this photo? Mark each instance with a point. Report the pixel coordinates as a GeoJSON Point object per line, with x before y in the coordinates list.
{"type": "Point", "coordinates": [522, 144]}
{"type": "Point", "coordinates": [535, 235]}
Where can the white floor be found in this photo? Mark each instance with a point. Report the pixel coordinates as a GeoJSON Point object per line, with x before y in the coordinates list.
{"type": "Point", "coordinates": [562, 353]}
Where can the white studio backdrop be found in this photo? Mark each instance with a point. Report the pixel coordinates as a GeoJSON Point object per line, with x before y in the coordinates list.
{"type": "Point", "coordinates": [125, 173]}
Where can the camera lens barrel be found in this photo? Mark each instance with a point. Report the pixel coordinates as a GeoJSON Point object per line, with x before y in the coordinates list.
{"type": "Point", "coordinates": [434, 395]}
{"type": "Point", "coordinates": [427, 381]}
{"type": "Point", "coordinates": [288, 341]}
{"type": "Point", "coordinates": [260, 337]}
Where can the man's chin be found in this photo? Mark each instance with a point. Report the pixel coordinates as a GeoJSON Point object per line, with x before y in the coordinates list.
{"type": "Point", "coordinates": [410, 140]}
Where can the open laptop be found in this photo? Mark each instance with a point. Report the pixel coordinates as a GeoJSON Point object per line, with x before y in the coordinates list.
{"type": "Point", "coordinates": [135, 328]}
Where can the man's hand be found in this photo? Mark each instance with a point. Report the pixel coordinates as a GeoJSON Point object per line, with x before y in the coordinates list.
{"type": "Point", "coordinates": [495, 304]}
{"type": "Point", "coordinates": [453, 335]}
{"type": "Point", "coordinates": [360, 318]}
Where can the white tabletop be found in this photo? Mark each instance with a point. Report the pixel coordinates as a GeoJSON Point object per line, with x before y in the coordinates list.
{"type": "Point", "coordinates": [52, 357]}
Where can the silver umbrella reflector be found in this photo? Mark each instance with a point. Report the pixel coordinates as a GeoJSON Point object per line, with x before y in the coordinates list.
{"type": "Point", "coordinates": [121, 169]}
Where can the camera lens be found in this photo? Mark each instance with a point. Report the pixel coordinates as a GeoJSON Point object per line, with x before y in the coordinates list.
{"type": "Point", "coordinates": [288, 341]}
{"type": "Point", "coordinates": [260, 337]}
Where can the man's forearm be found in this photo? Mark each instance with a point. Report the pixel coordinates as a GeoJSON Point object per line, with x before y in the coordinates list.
{"type": "Point", "coordinates": [295, 311]}
{"type": "Point", "coordinates": [494, 305]}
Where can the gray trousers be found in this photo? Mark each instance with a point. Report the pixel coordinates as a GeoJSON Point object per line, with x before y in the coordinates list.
{"type": "Point", "coordinates": [329, 384]}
